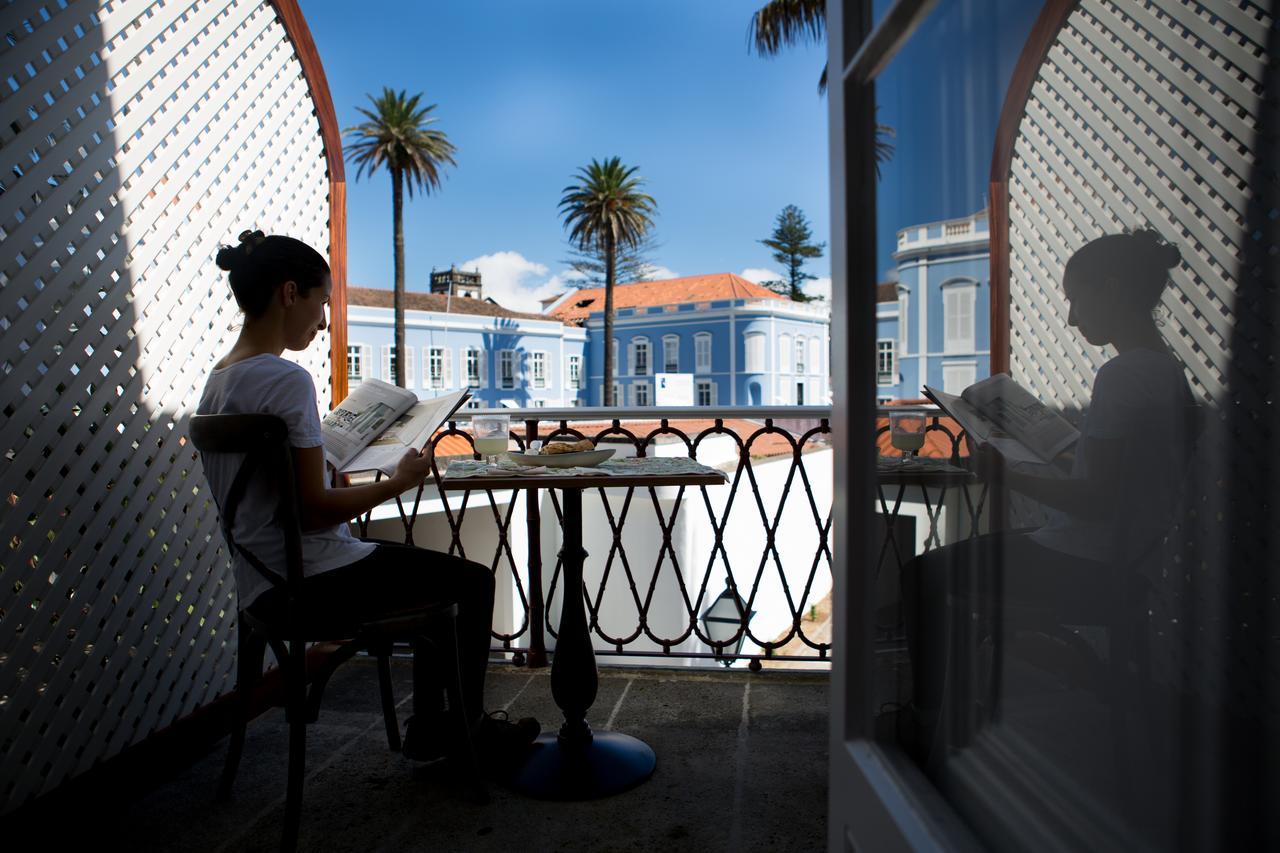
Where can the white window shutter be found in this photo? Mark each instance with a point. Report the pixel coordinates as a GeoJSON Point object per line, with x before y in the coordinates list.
{"type": "Point", "coordinates": [409, 358]}
{"type": "Point", "coordinates": [447, 368]}
{"type": "Point", "coordinates": [366, 356]}
{"type": "Point", "coordinates": [386, 363]}
{"type": "Point", "coordinates": [484, 368]}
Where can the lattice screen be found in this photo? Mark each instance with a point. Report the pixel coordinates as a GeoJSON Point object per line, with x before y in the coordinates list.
{"type": "Point", "coordinates": [1144, 113]}
{"type": "Point", "coordinates": [135, 136]}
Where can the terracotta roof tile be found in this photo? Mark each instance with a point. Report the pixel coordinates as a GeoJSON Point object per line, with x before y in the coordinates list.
{"type": "Point", "coordinates": [673, 291]}
{"type": "Point", "coordinates": [887, 291]}
{"type": "Point", "coordinates": [373, 297]}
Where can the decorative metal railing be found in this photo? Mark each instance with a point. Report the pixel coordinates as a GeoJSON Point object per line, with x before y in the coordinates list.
{"type": "Point", "coordinates": [765, 536]}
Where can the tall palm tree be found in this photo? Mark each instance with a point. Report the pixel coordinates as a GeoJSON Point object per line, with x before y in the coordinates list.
{"type": "Point", "coordinates": [399, 138]}
{"type": "Point", "coordinates": [604, 212]}
{"type": "Point", "coordinates": [780, 24]}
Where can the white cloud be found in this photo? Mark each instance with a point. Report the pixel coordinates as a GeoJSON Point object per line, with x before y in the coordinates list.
{"type": "Point", "coordinates": [820, 286]}
{"type": "Point", "coordinates": [657, 272]}
{"type": "Point", "coordinates": [759, 276]}
{"type": "Point", "coordinates": [515, 282]}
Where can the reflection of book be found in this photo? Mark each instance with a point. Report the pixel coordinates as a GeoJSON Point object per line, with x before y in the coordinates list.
{"type": "Point", "coordinates": [1007, 416]}
{"type": "Point", "coordinates": [376, 423]}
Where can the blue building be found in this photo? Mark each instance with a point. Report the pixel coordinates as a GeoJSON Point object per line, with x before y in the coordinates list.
{"type": "Point", "coordinates": [933, 326]}
{"type": "Point", "coordinates": [457, 339]}
{"type": "Point", "coordinates": [740, 343]}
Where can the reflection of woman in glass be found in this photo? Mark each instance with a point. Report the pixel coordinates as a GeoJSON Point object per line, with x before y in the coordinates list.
{"type": "Point", "coordinates": [1120, 497]}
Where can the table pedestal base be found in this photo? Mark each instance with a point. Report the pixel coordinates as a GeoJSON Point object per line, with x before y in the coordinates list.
{"type": "Point", "coordinates": [608, 764]}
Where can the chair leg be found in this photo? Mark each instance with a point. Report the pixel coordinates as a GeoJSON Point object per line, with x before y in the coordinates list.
{"type": "Point", "coordinates": [465, 748]}
{"type": "Point", "coordinates": [295, 711]}
{"type": "Point", "coordinates": [252, 649]}
{"type": "Point", "coordinates": [320, 680]}
{"type": "Point", "coordinates": [383, 651]}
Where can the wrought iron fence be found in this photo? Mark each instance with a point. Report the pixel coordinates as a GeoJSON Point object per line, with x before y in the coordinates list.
{"type": "Point", "coordinates": [766, 535]}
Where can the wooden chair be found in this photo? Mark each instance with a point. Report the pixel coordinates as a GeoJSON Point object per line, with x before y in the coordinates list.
{"type": "Point", "coordinates": [263, 439]}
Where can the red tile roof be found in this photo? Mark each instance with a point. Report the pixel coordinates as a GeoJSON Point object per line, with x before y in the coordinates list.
{"type": "Point", "coordinates": [373, 297]}
{"type": "Point", "coordinates": [887, 291]}
{"type": "Point", "coordinates": [579, 305]}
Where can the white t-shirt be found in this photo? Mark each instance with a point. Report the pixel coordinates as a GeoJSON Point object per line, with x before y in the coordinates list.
{"type": "Point", "coordinates": [1140, 400]}
{"type": "Point", "coordinates": [268, 384]}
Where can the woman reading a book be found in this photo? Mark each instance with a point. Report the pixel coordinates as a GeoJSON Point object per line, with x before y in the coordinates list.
{"type": "Point", "coordinates": [1120, 498]}
{"type": "Point", "coordinates": [282, 285]}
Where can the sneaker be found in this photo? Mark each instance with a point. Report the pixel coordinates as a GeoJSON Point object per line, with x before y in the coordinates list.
{"type": "Point", "coordinates": [424, 739]}
{"type": "Point", "coordinates": [500, 739]}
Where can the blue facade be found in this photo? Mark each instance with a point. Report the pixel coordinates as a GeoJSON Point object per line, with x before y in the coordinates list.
{"type": "Point", "coordinates": [938, 330]}
{"type": "Point", "coordinates": [512, 361]}
{"type": "Point", "coordinates": [740, 352]}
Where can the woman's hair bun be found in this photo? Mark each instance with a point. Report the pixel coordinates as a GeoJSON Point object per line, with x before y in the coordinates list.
{"type": "Point", "coordinates": [231, 257]}
{"type": "Point", "coordinates": [1159, 250]}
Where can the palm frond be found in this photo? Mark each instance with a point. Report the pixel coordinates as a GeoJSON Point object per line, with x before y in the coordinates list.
{"type": "Point", "coordinates": [398, 137]}
{"type": "Point", "coordinates": [606, 203]}
{"type": "Point", "coordinates": [783, 23]}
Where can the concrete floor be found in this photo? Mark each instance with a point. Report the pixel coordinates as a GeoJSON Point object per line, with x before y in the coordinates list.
{"type": "Point", "coordinates": [742, 765]}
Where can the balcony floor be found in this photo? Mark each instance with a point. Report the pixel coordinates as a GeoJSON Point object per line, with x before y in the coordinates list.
{"type": "Point", "coordinates": [742, 765]}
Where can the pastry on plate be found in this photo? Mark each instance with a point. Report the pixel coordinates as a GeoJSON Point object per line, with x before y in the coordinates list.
{"type": "Point", "coordinates": [556, 447]}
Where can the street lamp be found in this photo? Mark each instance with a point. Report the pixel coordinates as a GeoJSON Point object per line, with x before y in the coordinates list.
{"type": "Point", "coordinates": [725, 619]}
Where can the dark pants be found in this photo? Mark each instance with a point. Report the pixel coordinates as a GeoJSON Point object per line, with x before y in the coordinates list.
{"type": "Point", "coordinates": [958, 590]}
{"type": "Point", "coordinates": [398, 577]}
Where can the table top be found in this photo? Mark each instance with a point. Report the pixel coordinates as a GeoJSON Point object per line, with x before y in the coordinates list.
{"type": "Point", "coordinates": [921, 471]}
{"type": "Point", "coordinates": [470, 474]}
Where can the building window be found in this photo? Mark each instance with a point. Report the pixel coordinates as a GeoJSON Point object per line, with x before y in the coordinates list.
{"type": "Point", "coordinates": [702, 352]}
{"type": "Point", "coordinates": [800, 351]}
{"type": "Point", "coordinates": [575, 372]}
{"type": "Point", "coordinates": [958, 317]}
{"type": "Point", "coordinates": [754, 346]}
{"type": "Point", "coordinates": [640, 394]}
{"type": "Point", "coordinates": [355, 363]}
{"type": "Point", "coordinates": [705, 392]}
{"type": "Point", "coordinates": [784, 354]}
{"type": "Point", "coordinates": [389, 369]}
{"type": "Point", "coordinates": [475, 367]}
{"type": "Point", "coordinates": [886, 369]}
{"type": "Point", "coordinates": [506, 368]}
{"type": "Point", "coordinates": [538, 365]}
{"type": "Point", "coordinates": [640, 356]}
{"type": "Point", "coordinates": [671, 354]}
{"type": "Point", "coordinates": [617, 393]}
{"type": "Point", "coordinates": [475, 403]}
{"type": "Point", "coordinates": [957, 377]}
{"type": "Point", "coordinates": [438, 368]}
{"type": "Point", "coordinates": [800, 393]}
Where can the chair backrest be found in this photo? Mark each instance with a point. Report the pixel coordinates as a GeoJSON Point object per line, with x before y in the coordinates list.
{"type": "Point", "coordinates": [264, 441]}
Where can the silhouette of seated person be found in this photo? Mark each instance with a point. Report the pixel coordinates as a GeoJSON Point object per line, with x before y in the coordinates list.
{"type": "Point", "coordinates": [1117, 503]}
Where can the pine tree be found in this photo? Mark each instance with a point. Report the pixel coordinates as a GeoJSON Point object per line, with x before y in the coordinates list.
{"type": "Point", "coordinates": [791, 248]}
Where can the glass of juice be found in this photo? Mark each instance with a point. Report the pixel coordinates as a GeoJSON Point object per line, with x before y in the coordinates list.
{"type": "Point", "coordinates": [906, 432]}
{"type": "Point", "coordinates": [491, 433]}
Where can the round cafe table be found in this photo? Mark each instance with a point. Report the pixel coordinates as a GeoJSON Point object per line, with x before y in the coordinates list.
{"type": "Point", "coordinates": [577, 763]}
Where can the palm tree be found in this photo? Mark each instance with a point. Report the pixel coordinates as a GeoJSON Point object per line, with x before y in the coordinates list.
{"type": "Point", "coordinates": [604, 212]}
{"type": "Point", "coordinates": [780, 24]}
{"type": "Point", "coordinates": [398, 137]}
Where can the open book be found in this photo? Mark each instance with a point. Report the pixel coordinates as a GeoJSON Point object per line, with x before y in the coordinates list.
{"type": "Point", "coordinates": [371, 429]}
{"type": "Point", "coordinates": [1007, 416]}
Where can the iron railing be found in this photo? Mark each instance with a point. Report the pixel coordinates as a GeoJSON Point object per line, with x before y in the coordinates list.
{"type": "Point", "coordinates": [777, 461]}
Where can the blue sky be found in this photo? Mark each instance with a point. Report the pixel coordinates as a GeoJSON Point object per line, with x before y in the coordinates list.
{"type": "Point", "coordinates": [530, 92]}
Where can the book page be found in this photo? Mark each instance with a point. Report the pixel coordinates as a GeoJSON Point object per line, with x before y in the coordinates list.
{"type": "Point", "coordinates": [980, 428]}
{"type": "Point", "coordinates": [358, 419]}
{"type": "Point", "coordinates": [1016, 411]}
{"type": "Point", "coordinates": [413, 429]}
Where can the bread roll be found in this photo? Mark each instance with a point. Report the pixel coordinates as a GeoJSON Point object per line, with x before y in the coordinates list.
{"type": "Point", "coordinates": [556, 447]}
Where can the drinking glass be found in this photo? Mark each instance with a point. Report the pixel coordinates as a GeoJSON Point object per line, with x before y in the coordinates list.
{"type": "Point", "coordinates": [906, 432]}
{"type": "Point", "coordinates": [491, 433]}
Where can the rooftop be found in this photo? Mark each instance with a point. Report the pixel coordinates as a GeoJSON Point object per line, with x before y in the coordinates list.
{"type": "Point", "coordinates": [580, 304]}
{"type": "Point", "coordinates": [374, 297]}
{"type": "Point", "coordinates": [742, 764]}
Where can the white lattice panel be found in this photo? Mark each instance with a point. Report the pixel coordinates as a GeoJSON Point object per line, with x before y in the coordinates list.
{"type": "Point", "coordinates": [1143, 113]}
{"type": "Point", "coordinates": [135, 137]}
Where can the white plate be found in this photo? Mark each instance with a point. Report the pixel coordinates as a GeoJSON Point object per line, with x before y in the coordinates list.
{"type": "Point", "coordinates": [581, 459]}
